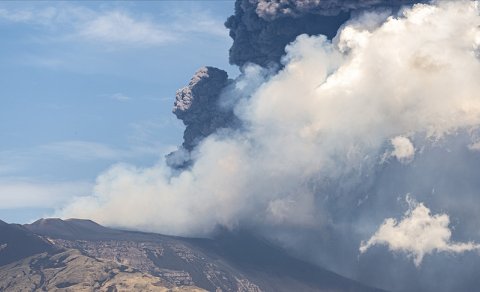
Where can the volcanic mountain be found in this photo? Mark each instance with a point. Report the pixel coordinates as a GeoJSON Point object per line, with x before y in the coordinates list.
{"type": "Point", "coordinates": [76, 255]}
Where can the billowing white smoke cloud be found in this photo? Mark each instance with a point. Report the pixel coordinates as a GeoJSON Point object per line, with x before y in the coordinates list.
{"type": "Point", "coordinates": [326, 116]}
{"type": "Point", "coordinates": [418, 234]}
{"type": "Point", "coordinates": [475, 146]}
{"type": "Point", "coordinates": [403, 149]}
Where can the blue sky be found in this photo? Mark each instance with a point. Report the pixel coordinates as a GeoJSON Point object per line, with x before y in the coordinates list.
{"type": "Point", "coordinates": [85, 85]}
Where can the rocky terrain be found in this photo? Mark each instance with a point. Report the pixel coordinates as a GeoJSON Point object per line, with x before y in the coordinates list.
{"type": "Point", "coordinates": [33, 263]}
{"type": "Point", "coordinates": [80, 255]}
{"type": "Point", "coordinates": [71, 271]}
{"type": "Point", "coordinates": [16, 243]}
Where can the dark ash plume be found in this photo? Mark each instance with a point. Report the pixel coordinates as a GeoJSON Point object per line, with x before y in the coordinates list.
{"type": "Point", "coordinates": [197, 105]}
{"type": "Point", "coordinates": [260, 41]}
{"type": "Point", "coordinates": [273, 9]}
{"type": "Point", "coordinates": [261, 29]}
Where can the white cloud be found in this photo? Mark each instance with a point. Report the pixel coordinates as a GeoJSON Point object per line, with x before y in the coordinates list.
{"type": "Point", "coordinates": [119, 27]}
{"type": "Point", "coordinates": [84, 150]}
{"type": "Point", "coordinates": [61, 16]}
{"type": "Point", "coordinates": [19, 160]}
{"type": "Point", "coordinates": [417, 234]}
{"type": "Point", "coordinates": [475, 146]}
{"type": "Point", "coordinates": [120, 97]}
{"type": "Point", "coordinates": [403, 149]}
{"type": "Point", "coordinates": [22, 193]}
{"type": "Point", "coordinates": [16, 16]}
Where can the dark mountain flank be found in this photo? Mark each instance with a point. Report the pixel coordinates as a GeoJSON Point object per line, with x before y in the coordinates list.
{"type": "Point", "coordinates": [17, 242]}
{"type": "Point", "coordinates": [230, 261]}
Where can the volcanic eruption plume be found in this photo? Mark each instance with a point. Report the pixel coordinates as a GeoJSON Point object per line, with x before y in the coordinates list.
{"type": "Point", "coordinates": [342, 108]}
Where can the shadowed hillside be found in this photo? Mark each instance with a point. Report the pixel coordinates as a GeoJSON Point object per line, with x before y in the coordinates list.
{"type": "Point", "coordinates": [231, 261]}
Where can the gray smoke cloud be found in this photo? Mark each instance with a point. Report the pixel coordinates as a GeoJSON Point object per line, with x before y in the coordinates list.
{"type": "Point", "coordinates": [328, 148]}
{"type": "Point", "coordinates": [273, 9]}
{"type": "Point", "coordinates": [261, 29]}
{"type": "Point", "coordinates": [198, 106]}
{"type": "Point", "coordinates": [261, 41]}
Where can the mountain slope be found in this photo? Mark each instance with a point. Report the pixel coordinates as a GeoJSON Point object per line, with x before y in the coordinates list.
{"type": "Point", "coordinates": [71, 229]}
{"type": "Point", "coordinates": [17, 242]}
{"type": "Point", "coordinates": [229, 262]}
{"type": "Point", "coordinates": [71, 271]}
{"type": "Point", "coordinates": [271, 267]}
{"type": "Point", "coordinates": [30, 262]}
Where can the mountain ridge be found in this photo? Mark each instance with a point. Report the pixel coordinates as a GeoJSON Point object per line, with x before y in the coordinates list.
{"type": "Point", "coordinates": [229, 261]}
